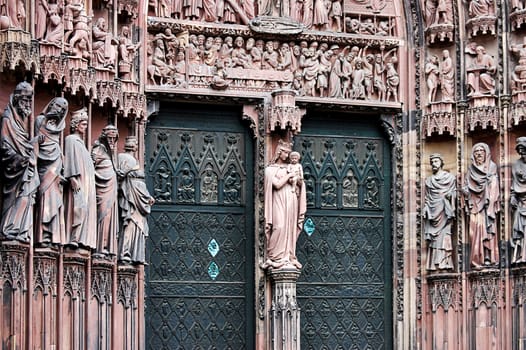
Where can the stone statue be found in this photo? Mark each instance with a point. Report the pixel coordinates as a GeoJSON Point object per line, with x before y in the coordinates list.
{"type": "Point", "coordinates": [49, 226]}
{"type": "Point", "coordinates": [519, 73]}
{"type": "Point", "coordinates": [284, 210]}
{"type": "Point", "coordinates": [432, 72]}
{"type": "Point", "coordinates": [295, 168]}
{"type": "Point", "coordinates": [518, 204]}
{"type": "Point", "coordinates": [106, 186]}
{"type": "Point", "coordinates": [81, 218]}
{"type": "Point", "coordinates": [135, 204]}
{"type": "Point", "coordinates": [15, 11]}
{"type": "Point", "coordinates": [79, 44]}
{"type": "Point", "coordinates": [447, 77]}
{"type": "Point", "coordinates": [104, 52]}
{"type": "Point", "coordinates": [20, 178]}
{"type": "Point", "coordinates": [55, 27]}
{"type": "Point", "coordinates": [479, 8]}
{"type": "Point", "coordinates": [41, 15]}
{"type": "Point", "coordinates": [438, 214]}
{"type": "Point", "coordinates": [481, 73]}
{"type": "Point", "coordinates": [127, 51]}
{"type": "Point", "coordinates": [481, 193]}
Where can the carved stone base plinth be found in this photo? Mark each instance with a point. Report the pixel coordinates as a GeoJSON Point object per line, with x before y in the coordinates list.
{"type": "Point", "coordinates": [440, 33]}
{"type": "Point", "coordinates": [16, 47]}
{"type": "Point", "coordinates": [441, 119]}
{"type": "Point", "coordinates": [482, 24]}
{"type": "Point", "coordinates": [285, 312]}
{"type": "Point", "coordinates": [483, 117]}
{"type": "Point", "coordinates": [518, 18]}
{"type": "Point", "coordinates": [517, 112]}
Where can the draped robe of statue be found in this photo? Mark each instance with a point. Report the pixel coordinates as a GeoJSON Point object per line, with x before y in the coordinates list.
{"type": "Point", "coordinates": [482, 207]}
{"type": "Point", "coordinates": [135, 205]}
{"type": "Point", "coordinates": [518, 199]}
{"type": "Point", "coordinates": [107, 204]}
{"type": "Point", "coordinates": [284, 213]}
{"type": "Point", "coordinates": [50, 215]}
{"type": "Point", "coordinates": [439, 211]}
{"type": "Point", "coordinates": [20, 178]}
{"type": "Point", "coordinates": [82, 205]}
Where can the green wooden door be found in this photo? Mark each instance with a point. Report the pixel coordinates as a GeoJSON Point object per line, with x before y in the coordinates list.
{"type": "Point", "coordinates": [345, 289]}
{"type": "Point", "coordinates": [200, 251]}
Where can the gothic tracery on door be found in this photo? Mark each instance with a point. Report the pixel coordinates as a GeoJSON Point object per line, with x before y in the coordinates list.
{"type": "Point", "coordinates": [199, 281]}
{"type": "Point", "coordinates": [345, 287]}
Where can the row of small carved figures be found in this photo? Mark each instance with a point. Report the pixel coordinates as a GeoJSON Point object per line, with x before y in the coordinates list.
{"type": "Point", "coordinates": [317, 68]}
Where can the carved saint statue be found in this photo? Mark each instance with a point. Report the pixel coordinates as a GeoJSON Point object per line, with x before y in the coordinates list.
{"type": "Point", "coordinates": [518, 204]}
{"type": "Point", "coordinates": [20, 178]}
{"type": "Point", "coordinates": [106, 186]}
{"type": "Point", "coordinates": [284, 210]}
{"type": "Point", "coordinates": [50, 214]}
{"type": "Point", "coordinates": [104, 52]}
{"type": "Point", "coordinates": [81, 218]}
{"type": "Point", "coordinates": [481, 193]}
{"type": "Point", "coordinates": [135, 204]}
{"type": "Point", "coordinates": [481, 71]}
{"type": "Point", "coordinates": [438, 214]}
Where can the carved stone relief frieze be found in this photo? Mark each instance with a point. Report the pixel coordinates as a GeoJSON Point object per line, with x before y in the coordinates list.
{"type": "Point", "coordinates": [373, 18]}
{"type": "Point", "coordinates": [313, 69]}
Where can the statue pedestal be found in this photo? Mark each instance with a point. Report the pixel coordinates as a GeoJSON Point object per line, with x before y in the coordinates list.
{"type": "Point", "coordinates": [285, 312]}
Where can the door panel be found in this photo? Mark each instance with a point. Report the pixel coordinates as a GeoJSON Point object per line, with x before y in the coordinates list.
{"type": "Point", "coordinates": [200, 249]}
{"type": "Point", "coordinates": [345, 286]}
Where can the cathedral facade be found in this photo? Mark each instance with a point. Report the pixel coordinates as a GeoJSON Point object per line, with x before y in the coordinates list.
{"type": "Point", "coordinates": [271, 174]}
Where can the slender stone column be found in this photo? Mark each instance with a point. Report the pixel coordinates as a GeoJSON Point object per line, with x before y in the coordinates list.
{"type": "Point", "coordinates": [284, 312]}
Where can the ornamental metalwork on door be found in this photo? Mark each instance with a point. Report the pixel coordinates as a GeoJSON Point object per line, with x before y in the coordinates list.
{"type": "Point", "coordinates": [344, 290]}
{"type": "Point", "coordinates": [200, 255]}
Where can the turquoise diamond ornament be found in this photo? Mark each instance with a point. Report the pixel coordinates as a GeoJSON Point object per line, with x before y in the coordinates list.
{"type": "Point", "coordinates": [213, 247]}
{"type": "Point", "coordinates": [213, 270]}
{"type": "Point", "coordinates": [309, 227]}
